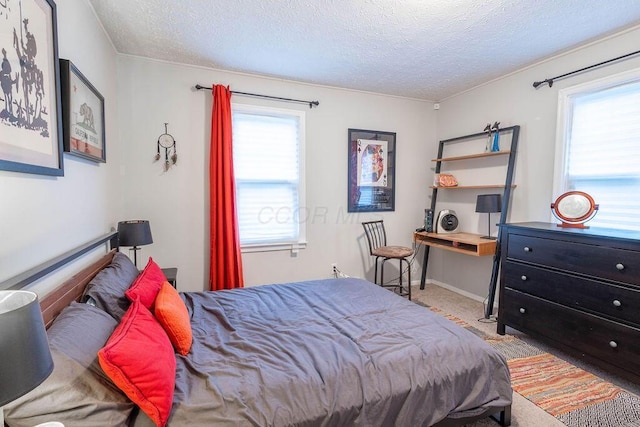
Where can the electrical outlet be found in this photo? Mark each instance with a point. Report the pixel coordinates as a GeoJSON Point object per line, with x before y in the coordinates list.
{"type": "Point", "coordinates": [334, 269]}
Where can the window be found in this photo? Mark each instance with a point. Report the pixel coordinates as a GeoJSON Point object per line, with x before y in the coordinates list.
{"type": "Point", "coordinates": [268, 152]}
{"type": "Point", "coordinates": [598, 147]}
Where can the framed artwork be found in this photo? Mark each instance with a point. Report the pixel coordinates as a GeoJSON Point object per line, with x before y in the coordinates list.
{"type": "Point", "coordinates": [30, 119]}
{"type": "Point", "coordinates": [372, 157]}
{"type": "Point", "coordinates": [82, 115]}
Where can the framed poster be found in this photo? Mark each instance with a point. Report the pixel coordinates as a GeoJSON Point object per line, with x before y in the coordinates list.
{"type": "Point", "coordinates": [30, 120]}
{"type": "Point", "coordinates": [371, 171]}
{"type": "Point", "coordinates": [82, 115]}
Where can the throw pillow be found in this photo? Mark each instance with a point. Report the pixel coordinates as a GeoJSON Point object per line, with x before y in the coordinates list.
{"type": "Point", "coordinates": [140, 360]}
{"type": "Point", "coordinates": [174, 318]}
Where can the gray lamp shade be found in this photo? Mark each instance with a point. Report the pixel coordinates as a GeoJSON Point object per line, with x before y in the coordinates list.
{"type": "Point", "coordinates": [134, 233]}
{"type": "Point", "coordinates": [25, 358]}
{"type": "Point", "coordinates": [488, 203]}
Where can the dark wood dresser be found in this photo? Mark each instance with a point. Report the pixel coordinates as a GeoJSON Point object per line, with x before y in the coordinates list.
{"type": "Point", "coordinates": [578, 289]}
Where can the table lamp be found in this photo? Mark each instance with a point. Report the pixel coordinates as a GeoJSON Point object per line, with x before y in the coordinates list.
{"type": "Point", "coordinates": [489, 203]}
{"type": "Point", "coordinates": [134, 233]}
{"type": "Point", "coordinates": [25, 358]}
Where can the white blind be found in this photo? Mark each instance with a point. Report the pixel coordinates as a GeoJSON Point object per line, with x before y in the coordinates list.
{"type": "Point", "coordinates": [603, 153]}
{"type": "Point", "coordinates": [266, 154]}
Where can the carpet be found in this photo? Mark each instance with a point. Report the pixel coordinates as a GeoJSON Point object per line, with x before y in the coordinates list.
{"type": "Point", "coordinates": [572, 395]}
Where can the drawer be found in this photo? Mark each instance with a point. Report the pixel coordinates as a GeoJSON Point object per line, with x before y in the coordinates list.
{"type": "Point", "coordinates": [609, 300]}
{"type": "Point", "coordinates": [609, 341]}
{"type": "Point", "coordinates": [599, 261]}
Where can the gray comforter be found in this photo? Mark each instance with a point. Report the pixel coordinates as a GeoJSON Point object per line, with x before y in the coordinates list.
{"type": "Point", "coordinates": [337, 352]}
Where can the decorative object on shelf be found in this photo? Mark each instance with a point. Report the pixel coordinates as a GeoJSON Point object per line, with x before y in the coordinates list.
{"type": "Point", "coordinates": [487, 129]}
{"type": "Point", "coordinates": [134, 233]}
{"type": "Point", "coordinates": [446, 180]}
{"type": "Point", "coordinates": [30, 110]}
{"type": "Point", "coordinates": [495, 128]}
{"type": "Point", "coordinates": [574, 208]}
{"type": "Point", "coordinates": [447, 222]}
{"type": "Point", "coordinates": [24, 349]}
{"type": "Point", "coordinates": [82, 115]}
{"type": "Point", "coordinates": [167, 142]}
{"type": "Point", "coordinates": [371, 173]}
{"type": "Point", "coordinates": [489, 203]}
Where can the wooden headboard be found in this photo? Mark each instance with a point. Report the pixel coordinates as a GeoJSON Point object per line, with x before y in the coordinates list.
{"type": "Point", "coordinates": [72, 289]}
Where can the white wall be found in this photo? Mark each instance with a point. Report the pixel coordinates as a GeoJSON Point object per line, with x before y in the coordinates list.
{"type": "Point", "coordinates": [512, 100]}
{"type": "Point", "coordinates": [42, 217]}
{"type": "Point", "coordinates": [175, 202]}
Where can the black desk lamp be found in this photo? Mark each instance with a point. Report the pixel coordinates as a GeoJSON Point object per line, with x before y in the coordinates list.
{"type": "Point", "coordinates": [488, 203]}
{"type": "Point", "coordinates": [25, 358]}
{"type": "Point", "coordinates": [134, 233]}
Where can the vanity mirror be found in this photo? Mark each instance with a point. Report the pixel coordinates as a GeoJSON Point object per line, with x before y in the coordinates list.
{"type": "Point", "coordinates": [574, 208]}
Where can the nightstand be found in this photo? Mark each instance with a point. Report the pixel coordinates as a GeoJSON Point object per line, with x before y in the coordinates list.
{"type": "Point", "coordinates": [171, 274]}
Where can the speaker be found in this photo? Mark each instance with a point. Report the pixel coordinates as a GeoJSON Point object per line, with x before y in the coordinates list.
{"type": "Point", "coordinates": [447, 222]}
{"type": "Point", "coordinates": [428, 220]}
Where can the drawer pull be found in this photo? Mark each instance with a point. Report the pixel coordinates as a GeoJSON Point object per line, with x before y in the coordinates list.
{"type": "Point", "coordinates": [613, 344]}
{"type": "Point", "coordinates": [620, 266]}
{"type": "Point", "coordinates": [522, 310]}
{"type": "Point", "coordinates": [617, 303]}
{"type": "Point", "coordinates": [523, 277]}
{"type": "Point", "coordinates": [527, 249]}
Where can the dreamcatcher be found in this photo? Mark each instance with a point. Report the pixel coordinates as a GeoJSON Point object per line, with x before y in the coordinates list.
{"type": "Point", "coordinates": [167, 142]}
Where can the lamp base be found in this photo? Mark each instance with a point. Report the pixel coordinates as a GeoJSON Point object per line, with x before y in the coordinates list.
{"type": "Point", "coordinates": [489, 237]}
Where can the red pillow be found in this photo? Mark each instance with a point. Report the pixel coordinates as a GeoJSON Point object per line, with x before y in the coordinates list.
{"type": "Point", "coordinates": [147, 285]}
{"type": "Point", "coordinates": [174, 318]}
{"type": "Point", "coordinates": [139, 359]}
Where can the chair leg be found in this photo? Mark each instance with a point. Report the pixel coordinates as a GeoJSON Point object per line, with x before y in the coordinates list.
{"type": "Point", "coordinates": [382, 272]}
{"type": "Point", "coordinates": [409, 277]}
{"type": "Point", "coordinates": [400, 276]}
{"type": "Point", "coordinates": [375, 274]}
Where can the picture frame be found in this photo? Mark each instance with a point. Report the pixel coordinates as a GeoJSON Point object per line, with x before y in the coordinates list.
{"type": "Point", "coordinates": [371, 171]}
{"type": "Point", "coordinates": [82, 115]}
{"type": "Point", "coordinates": [30, 107]}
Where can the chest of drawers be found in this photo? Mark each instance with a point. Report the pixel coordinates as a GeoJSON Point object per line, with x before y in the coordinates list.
{"type": "Point", "coordinates": [578, 289]}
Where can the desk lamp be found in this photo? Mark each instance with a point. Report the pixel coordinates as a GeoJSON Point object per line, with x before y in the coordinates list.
{"type": "Point", "coordinates": [488, 203]}
{"type": "Point", "coordinates": [25, 358]}
{"type": "Point", "coordinates": [134, 233]}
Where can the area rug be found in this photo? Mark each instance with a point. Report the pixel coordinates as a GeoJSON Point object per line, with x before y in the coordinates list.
{"type": "Point", "coordinates": [572, 395]}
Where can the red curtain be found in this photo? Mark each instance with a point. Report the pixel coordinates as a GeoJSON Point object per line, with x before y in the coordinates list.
{"type": "Point", "coordinates": [225, 271]}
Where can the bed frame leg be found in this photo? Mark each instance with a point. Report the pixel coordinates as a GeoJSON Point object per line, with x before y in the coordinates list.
{"type": "Point", "coordinates": [503, 417]}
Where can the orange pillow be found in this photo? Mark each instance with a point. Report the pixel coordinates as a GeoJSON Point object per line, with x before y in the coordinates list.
{"type": "Point", "coordinates": [147, 284]}
{"type": "Point", "coordinates": [139, 359]}
{"type": "Point", "coordinates": [174, 318]}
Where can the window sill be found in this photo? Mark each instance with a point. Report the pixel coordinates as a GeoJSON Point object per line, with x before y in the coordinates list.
{"type": "Point", "coordinates": [268, 247]}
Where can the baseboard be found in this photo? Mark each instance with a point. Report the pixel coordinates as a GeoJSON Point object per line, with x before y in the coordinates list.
{"type": "Point", "coordinates": [456, 290]}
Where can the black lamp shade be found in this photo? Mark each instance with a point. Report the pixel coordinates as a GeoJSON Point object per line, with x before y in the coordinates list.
{"type": "Point", "coordinates": [489, 203]}
{"type": "Point", "coordinates": [134, 233]}
{"type": "Point", "coordinates": [25, 358]}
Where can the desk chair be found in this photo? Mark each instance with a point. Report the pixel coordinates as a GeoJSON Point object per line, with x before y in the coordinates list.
{"type": "Point", "coordinates": [377, 239]}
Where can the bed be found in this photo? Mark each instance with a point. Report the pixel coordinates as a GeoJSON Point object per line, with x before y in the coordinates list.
{"type": "Point", "coordinates": [334, 352]}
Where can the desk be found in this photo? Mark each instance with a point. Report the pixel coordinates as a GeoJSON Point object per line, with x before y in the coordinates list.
{"type": "Point", "coordinates": [464, 243]}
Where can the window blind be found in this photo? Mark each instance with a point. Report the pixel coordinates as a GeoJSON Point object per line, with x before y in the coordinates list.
{"type": "Point", "coordinates": [603, 152]}
{"type": "Point", "coordinates": [266, 151]}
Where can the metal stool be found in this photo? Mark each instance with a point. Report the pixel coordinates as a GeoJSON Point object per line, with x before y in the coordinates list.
{"type": "Point", "coordinates": [377, 238]}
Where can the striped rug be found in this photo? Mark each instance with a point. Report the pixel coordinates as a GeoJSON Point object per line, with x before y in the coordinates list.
{"type": "Point", "coordinates": [574, 396]}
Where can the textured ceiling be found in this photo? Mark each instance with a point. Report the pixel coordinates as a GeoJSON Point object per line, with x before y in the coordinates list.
{"type": "Point", "coordinates": [428, 49]}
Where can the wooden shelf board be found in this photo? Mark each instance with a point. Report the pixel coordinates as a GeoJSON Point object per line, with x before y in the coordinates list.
{"type": "Point", "coordinates": [465, 243]}
{"type": "Point", "coordinates": [470, 186]}
{"type": "Point", "coordinates": [471, 156]}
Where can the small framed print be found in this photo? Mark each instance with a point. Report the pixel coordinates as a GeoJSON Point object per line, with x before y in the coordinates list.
{"type": "Point", "coordinates": [371, 171]}
{"type": "Point", "coordinates": [82, 115]}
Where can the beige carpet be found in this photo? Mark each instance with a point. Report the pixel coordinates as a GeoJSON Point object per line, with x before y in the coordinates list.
{"type": "Point", "coordinates": [524, 412]}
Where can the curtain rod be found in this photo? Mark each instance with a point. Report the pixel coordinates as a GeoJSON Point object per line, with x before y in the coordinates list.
{"type": "Point", "coordinates": [551, 80]}
{"type": "Point", "coordinates": [311, 103]}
